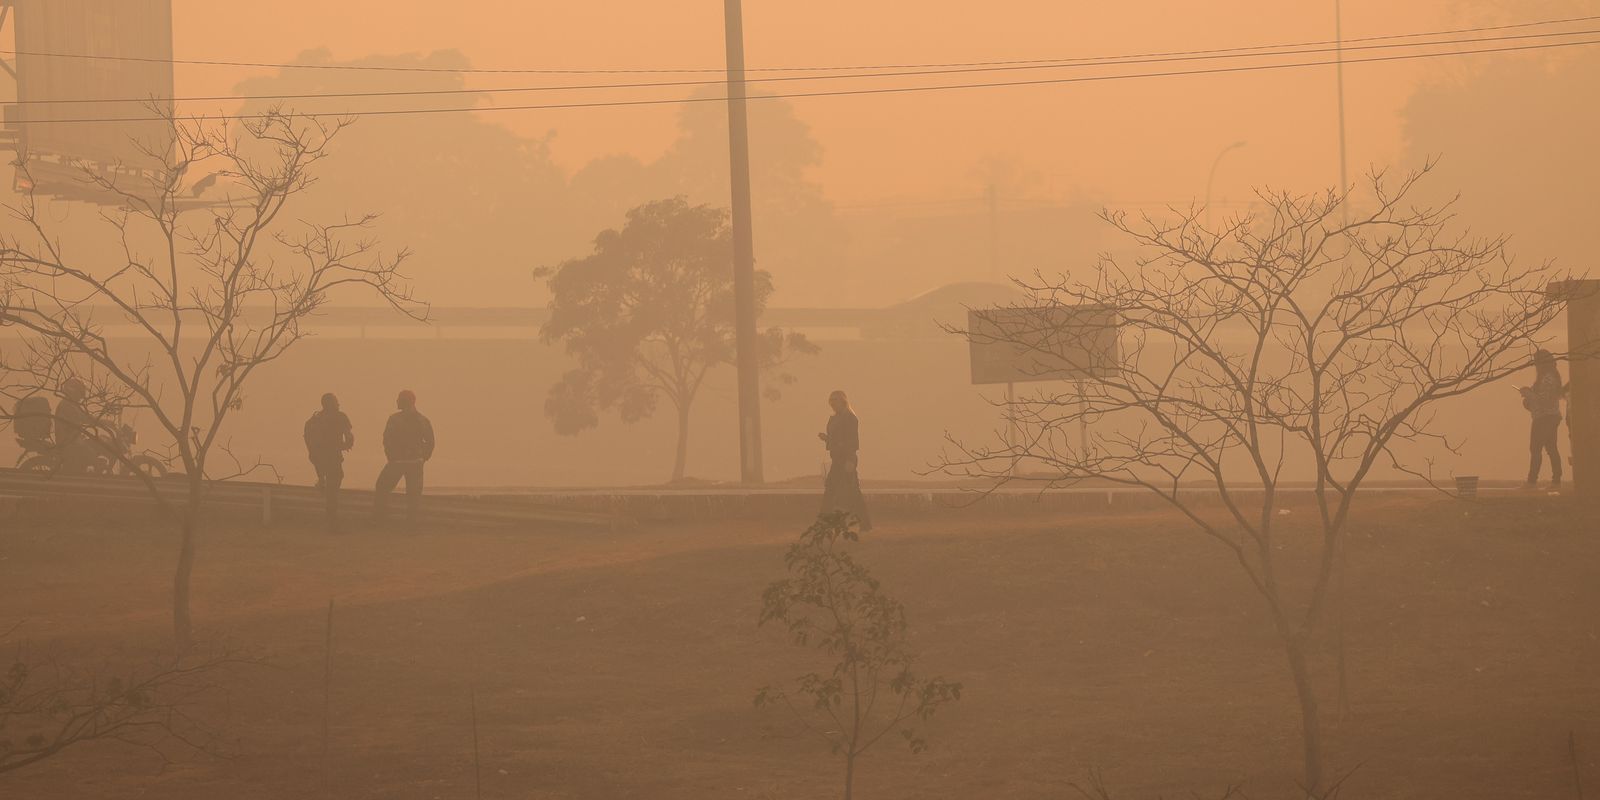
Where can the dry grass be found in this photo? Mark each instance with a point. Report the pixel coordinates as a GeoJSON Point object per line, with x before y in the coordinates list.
{"type": "Point", "coordinates": [623, 666]}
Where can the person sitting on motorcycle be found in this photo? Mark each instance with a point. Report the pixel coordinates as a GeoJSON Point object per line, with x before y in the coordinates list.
{"type": "Point", "coordinates": [76, 429]}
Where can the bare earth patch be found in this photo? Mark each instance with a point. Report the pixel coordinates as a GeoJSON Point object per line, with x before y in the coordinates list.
{"type": "Point", "coordinates": [623, 665]}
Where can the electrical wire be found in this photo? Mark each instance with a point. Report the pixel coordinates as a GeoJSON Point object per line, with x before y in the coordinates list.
{"type": "Point", "coordinates": [839, 92]}
{"type": "Point", "coordinates": [790, 78]}
{"type": "Point", "coordinates": [853, 67]}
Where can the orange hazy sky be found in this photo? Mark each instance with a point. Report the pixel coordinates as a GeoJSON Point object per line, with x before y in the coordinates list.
{"type": "Point", "coordinates": [1120, 141]}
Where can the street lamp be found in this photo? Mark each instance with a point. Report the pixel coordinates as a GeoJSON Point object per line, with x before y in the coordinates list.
{"type": "Point", "coordinates": [1213, 177]}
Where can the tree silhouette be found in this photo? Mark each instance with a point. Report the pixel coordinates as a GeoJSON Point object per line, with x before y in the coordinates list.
{"type": "Point", "coordinates": [832, 604]}
{"type": "Point", "coordinates": [1281, 346]}
{"type": "Point", "coordinates": [48, 707]}
{"type": "Point", "coordinates": [468, 194]}
{"type": "Point", "coordinates": [210, 292]}
{"type": "Point", "coordinates": [1535, 129]}
{"type": "Point", "coordinates": [648, 315]}
{"type": "Point", "coordinates": [801, 240]}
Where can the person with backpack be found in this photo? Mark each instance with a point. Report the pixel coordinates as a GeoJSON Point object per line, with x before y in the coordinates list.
{"type": "Point", "coordinates": [408, 444]}
{"type": "Point", "coordinates": [1543, 402]}
{"type": "Point", "coordinates": [328, 435]}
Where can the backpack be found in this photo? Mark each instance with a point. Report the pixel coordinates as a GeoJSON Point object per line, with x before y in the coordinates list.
{"type": "Point", "coordinates": [33, 418]}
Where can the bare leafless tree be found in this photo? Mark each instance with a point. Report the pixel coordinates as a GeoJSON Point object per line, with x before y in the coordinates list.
{"type": "Point", "coordinates": [206, 294]}
{"type": "Point", "coordinates": [1286, 345]}
{"type": "Point", "coordinates": [50, 705]}
{"type": "Point", "coordinates": [1096, 788]}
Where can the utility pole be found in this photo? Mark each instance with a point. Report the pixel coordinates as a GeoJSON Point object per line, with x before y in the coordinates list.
{"type": "Point", "coordinates": [744, 258]}
{"type": "Point", "coordinates": [1344, 171]}
{"type": "Point", "coordinates": [994, 232]}
{"type": "Point", "coordinates": [1344, 208]}
{"type": "Point", "coordinates": [1212, 178]}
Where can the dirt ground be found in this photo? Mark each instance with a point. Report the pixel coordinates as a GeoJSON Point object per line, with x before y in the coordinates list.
{"type": "Point", "coordinates": [623, 665]}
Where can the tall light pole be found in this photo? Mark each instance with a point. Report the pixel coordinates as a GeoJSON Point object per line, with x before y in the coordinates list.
{"type": "Point", "coordinates": [1212, 179]}
{"type": "Point", "coordinates": [744, 258]}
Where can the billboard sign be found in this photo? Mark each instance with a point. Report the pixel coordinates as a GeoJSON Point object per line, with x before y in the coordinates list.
{"type": "Point", "coordinates": [1051, 343]}
{"type": "Point", "coordinates": [100, 50]}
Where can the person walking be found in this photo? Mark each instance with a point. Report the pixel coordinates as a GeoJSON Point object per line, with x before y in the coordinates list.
{"type": "Point", "coordinates": [842, 488]}
{"type": "Point", "coordinates": [408, 444]}
{"type": "Point", "coordinates": [1543, 401]}
{"type": "Point", "coordinates": [329, 435]}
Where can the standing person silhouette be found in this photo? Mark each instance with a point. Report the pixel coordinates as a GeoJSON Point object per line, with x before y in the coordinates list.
{"type": "Point", "coordinates": [328, 436]}
{"type": "Point", "coordinates": [842, 489]}
{"type": "Point", "coordinates": [408, 444]}
{"type": "Point", "coordinates": [1543, 401]}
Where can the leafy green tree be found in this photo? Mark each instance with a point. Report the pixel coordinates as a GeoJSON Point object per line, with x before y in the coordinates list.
{"type": "Point", "coordinates": [833, 604]}
{"type": "Point", "coordinates": [648, 315]}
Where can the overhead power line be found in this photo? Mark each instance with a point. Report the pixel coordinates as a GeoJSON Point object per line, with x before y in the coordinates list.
{"type": "Point", "coordinates": [826, 68]}
{"type": "Point", "coordinates": [791, 78]}
{"type": "Point", "coordinates": [880, 90]}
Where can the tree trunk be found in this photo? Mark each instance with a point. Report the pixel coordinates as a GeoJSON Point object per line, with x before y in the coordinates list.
{"type": "Point", "coordinates": [188, 522]}
{"type": "Point", "coordinates": [849, 775]}
{"type": "Point", "coordinates": [1310, 717]}
{"type": "Point", "coordinates": [682, 459]}
{"type": "Point", "coordinates": [186, 562]}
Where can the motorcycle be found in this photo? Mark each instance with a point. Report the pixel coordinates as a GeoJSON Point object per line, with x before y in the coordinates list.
{"type": "Point", "coordinates": [98, 458]}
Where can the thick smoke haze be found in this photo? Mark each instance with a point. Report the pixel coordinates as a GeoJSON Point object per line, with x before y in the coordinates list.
{"type": "Point", "coordinates": [1182, 399]}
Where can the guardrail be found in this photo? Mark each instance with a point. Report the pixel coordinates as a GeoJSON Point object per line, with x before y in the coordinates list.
{"type": "Point", "coordinates": [275, 500]}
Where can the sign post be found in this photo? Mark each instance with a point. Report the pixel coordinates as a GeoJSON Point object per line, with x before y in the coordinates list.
{"type": "Point", "coordinates": [1051, 343]}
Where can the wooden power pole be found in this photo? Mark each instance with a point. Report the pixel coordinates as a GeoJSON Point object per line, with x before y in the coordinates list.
{"type": "Point", "coordinates": [1344, 166]}
{"type": "Point", "coordinates": [744, 259]}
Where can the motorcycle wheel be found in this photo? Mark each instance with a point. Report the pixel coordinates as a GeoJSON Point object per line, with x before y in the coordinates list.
{"type": "Point", "coordinates": [42, 465]}
{"type": "Point", "coordinates": [146, 466]}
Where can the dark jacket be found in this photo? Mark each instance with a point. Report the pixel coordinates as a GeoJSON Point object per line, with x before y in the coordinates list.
{"type": "Point", "coordinates": [72, 423]}
{"type": "Point", "coordinates": [328, 434]}
{"type": "Point", "coordinates": [844, 435]}
{"type": "Point", "coordinates": [1543, 398]}
{"type": "Point", "coordinates": [408, 437]}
